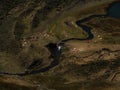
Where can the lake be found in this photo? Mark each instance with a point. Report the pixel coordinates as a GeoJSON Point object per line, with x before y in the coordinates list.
{"type": "Point", "coordinates": [114, 10]}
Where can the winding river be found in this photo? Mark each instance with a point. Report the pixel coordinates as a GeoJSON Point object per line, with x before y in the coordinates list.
{"type": "Point", "coordinates": [112, 11]}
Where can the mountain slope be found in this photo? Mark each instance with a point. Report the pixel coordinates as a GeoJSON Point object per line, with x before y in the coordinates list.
{"type": "Point", "coordinates": [27, 26]}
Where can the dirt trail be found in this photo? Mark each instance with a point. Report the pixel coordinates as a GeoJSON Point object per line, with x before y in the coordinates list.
{"type": "Point", "coordinates": [88, 46]}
